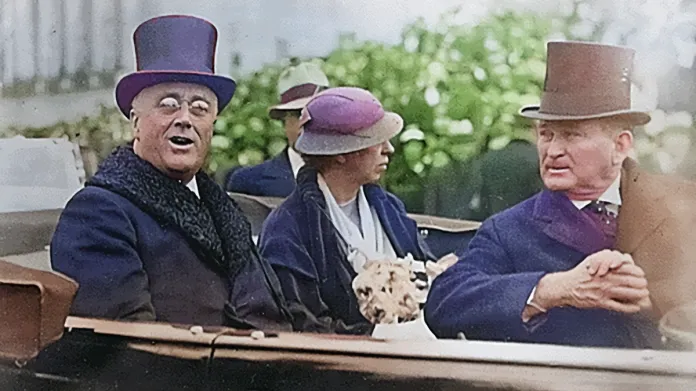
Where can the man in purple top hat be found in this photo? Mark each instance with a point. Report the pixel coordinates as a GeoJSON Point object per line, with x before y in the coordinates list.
{"type": "Point", "coordinates": [338, 217]}
{"type": "Point", "coordinates": [151, 236]}
{"type": "Point", "coordinates": [553, 269]}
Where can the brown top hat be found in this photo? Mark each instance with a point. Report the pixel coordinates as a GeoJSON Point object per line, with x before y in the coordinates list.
{"type": "Point", "coordinates": [586, 80]}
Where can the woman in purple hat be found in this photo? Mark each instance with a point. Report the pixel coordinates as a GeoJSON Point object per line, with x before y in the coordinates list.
{"type": "Point", "coordinates": [338, 217]}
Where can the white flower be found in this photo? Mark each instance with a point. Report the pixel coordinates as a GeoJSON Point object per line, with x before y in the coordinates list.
{"type": "Point", "coordinates": [437, 71]}
{"type": "Point", "coordinates": [491, 44]}
{"type": "Point", "coordinates": [480, 74]}
{"type": "Point", "coordinates": [461, 127]}
{"type": "Point", "coordinates": [412, 133]}
{"type": "Point", "coordinates": [432, 96]}
{"type": "Point", "coordinates": [411, 44]}
{"type": "Point", "coordinates": [220, 142]}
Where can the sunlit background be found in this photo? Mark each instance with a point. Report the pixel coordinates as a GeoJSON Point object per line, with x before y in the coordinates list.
{"type": "Point", "coordinates": [456, 75]}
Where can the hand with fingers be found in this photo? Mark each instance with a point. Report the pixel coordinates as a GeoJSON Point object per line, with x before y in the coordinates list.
{"type": "Point", "coordinates": [607, 279]}
{"type": "Point", "coordinates": [602, 262]}
{"type": "Point", "coordinates": [622, 289]}
{"type": "Point", "coordinates": [434, 269]}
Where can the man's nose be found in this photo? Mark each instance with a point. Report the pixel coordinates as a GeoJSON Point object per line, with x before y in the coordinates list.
{"type": "Point", "coordinates": [183, 119]}
{"type": "Point", "coordinates": [556, 148]}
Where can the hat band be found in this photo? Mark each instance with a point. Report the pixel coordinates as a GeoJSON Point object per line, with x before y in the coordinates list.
{"type": "Point", "coordinates": [581, 104]}
{"type": "Point", "coordinates": [301, 91]}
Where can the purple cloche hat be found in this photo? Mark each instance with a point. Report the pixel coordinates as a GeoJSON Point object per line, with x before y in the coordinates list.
{"type": "Point", "coordinates": [343, 120]}
{"type": "Point", "coordinates": [174, 48]}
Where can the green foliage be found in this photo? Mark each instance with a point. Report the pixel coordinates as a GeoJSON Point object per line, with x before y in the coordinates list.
{"type": "Point", "coordinates": [99, 133]}
{"type": "Point", "coordinates": [458, 89]}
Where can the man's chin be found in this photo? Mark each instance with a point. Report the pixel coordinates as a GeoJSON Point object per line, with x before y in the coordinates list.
{"type": "Point", "coordinates": [181, 171]}
{"type": "Point", "coordinates": [558, 185]}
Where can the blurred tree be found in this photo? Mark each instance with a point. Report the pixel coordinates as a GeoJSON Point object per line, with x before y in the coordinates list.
{"type": "Point", "coordinates": [458, 88]}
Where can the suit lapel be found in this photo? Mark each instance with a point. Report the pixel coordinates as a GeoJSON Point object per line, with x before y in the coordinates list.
{"type": "Point", "coordinates": [563, 222]}
{"type": "Point", "coordinates": [643, 207]}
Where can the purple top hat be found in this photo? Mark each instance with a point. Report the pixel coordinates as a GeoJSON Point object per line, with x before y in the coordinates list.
{"type": "Point", "coordinates": [174, 48]}
{"type": "Point", "coordinates": [343, 120]}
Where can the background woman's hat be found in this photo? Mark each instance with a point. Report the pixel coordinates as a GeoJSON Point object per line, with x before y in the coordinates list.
{"type": "Point", "coordinates": [586, 80]}
{"type": "Point", "coordinates": [296, 86]}
{"type": "Point", "coordinates": [343, 120]}
{"type": "Point", "coordinates": [174, 48]}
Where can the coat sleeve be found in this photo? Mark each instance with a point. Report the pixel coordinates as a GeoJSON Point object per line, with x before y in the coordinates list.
{"type": "Point", "coordinates": [281, 244]}
{"type": "Point", "coordinates": [256, 300]}
{"type": "Point", "coordinates": [242, 180]}
{"type": "Point", "coordinates": [228, 178]}
{"type": "Point", "coordinates": [95, 244]}
{"type": "Point", "coordinates": [482, 295]}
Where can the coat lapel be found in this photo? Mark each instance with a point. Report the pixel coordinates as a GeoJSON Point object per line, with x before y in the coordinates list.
{"type": "Point", "coordinates": [563, 222]}
{"type": "Point", "coordinates": [643, 208]}
{"type": "Point", "coordinates": [329, 245]}
{"type": "Point", "coordinates": [215, 227]}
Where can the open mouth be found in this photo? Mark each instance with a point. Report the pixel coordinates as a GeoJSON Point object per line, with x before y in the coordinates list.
{"type": "Point", "coordinates": [180, 141]}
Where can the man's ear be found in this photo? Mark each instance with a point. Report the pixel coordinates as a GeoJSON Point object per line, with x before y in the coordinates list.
{"type": "Point", "coordinates": [134, 123]}
{"type": "Point", "coordinates": [624, 145]}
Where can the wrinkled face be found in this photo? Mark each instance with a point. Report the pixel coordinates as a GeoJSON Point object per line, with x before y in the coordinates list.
{"type": "Point", "coordinates": [173, 126]}
{"type": "Point", "coordinates": [581, 158]}
{"type": "Point", "coordinates": [369, 164]}
{"type": "Point", "coordinates": [386, 292]}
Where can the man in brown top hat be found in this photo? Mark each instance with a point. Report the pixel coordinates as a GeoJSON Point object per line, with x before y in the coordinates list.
{"type": "Point", "coordinates": [603, 251]}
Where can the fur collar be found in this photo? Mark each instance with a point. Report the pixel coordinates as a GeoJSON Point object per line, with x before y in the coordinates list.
{"type": "Point", "coordinates": [213, 225]}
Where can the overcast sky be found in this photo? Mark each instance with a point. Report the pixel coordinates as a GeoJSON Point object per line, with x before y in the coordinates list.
{"type": "Point", "coordinates": [311, 27]}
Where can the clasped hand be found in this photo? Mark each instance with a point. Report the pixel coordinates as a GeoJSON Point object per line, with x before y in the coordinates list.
{"type": "Point", "coordinates": [610, 280]}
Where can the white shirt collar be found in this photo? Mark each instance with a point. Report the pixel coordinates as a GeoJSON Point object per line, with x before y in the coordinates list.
{"type": "Point", "coordinates": [612, 195]}
{"type": "Point", "coordinates": [193, 186]}
{"type": "Point", "coordinates": [296, 161]}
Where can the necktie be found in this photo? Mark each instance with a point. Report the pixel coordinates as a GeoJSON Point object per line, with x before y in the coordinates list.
{"type": "Point", "coordinates": [603, 218]}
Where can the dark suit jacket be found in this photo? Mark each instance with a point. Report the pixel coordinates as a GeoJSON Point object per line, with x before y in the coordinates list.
{"type": "Point", "coordinates": [484, 294]}
{"type": "Point", "coordinates": [272, 178]}
{"type": "Point", "coordinates": [144, 247]}
{"type": "Point", "coordinates": [657, 226]}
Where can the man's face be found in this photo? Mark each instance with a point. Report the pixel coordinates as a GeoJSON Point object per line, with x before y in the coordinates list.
{"type": "Point", "coordinates": [367, 165]}
{"type": "Point", "coordinates": [583, 157]}
{"type": "Point", "coordinates": [173, 126]}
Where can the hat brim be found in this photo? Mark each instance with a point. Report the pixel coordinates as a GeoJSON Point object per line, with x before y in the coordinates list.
{"type": "Point", "coordinates": [634, 116]}
{"type": "Point", "coordinates": [336, 144]}
{"type": "Point", "coordinates": [131, 85]}
{"type": "Point", "coordinates": [278, 111]}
